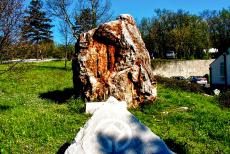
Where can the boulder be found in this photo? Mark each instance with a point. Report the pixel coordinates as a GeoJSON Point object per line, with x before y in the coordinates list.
{"type": "Point", "coordinates": [113, 129]}
{"type": "Point", "coordinates": [112, 60]}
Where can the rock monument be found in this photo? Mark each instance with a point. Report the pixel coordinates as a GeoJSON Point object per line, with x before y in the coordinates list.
{"type": "Point", "coordinates": [112, 60]}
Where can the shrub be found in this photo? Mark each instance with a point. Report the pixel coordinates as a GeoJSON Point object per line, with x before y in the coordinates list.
{"type": "Point", "coordinates": [180, 84]}
{"type": "Point", "coordinates": [224, 99]}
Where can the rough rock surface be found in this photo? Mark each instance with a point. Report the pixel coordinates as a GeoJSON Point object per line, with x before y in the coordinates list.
{"type": "Point", "coordinates": [112, 60]}
{"type": "Point", "coordinates": [113, 129]}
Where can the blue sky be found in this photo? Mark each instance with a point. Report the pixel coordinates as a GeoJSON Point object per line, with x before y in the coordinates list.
{"type": "Point", "coordinates": [145, 8]}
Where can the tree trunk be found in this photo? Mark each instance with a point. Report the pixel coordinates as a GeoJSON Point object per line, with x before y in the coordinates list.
{"type": "Point", "coordinates": [65, 58]}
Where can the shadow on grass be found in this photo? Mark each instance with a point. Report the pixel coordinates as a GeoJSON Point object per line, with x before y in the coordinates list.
{"type": "Point", "coordinates": [178, 148]}
{"type": "Point", "coordinates": [58, 96]}
{"type": "Point", "coordinates": [5, 107]}
{"type": "Point", "coordinates": [63, 148]}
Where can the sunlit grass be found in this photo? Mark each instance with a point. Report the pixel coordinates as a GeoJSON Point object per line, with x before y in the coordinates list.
{"type": "Point", "coordinates": [203, 128]}
{"type": "Point", "coordinates": [33, 120]}
{"type": "Point", "coordinates": [29, 123]}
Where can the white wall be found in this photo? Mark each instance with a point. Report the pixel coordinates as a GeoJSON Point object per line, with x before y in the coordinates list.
{"type": "Point", "coordinates": [184, 68]}
{"type": "Point", "coordinates": [215, 66]}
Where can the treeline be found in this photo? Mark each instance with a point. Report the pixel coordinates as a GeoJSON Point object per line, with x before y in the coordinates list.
{"type": "Point", "coordinates": [186, 34]}
{"type": "Point", "coordinates": [40, 51]}
{"type": "Point", "coordinates": [26, 32]}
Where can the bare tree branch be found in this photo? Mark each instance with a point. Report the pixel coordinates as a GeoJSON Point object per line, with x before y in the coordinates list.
{"type": "Point", "coordinates": [60, 9]}
{"type": "Point", "coordinates": [10, 22]}
{"type": "Point", "coordinates": [68, 38]}
{"type": "Point", "coordinates": [99, 12]}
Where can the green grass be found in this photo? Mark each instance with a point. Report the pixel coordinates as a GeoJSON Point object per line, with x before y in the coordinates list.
{"type": "Point", "coordinates": [38, 114]}
{"type": "Point", "coordinates": [29, 123]}
{"type": "Point", "coordinates": [204, 128]}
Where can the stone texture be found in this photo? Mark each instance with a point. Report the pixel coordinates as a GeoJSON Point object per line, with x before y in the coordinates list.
{"type": "Point", "coordinates": [112, 60]}
{"type": "Point", "coordinates": [113, 129]}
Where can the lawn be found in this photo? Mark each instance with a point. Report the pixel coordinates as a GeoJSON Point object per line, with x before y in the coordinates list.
{"type": "Point", "coordinates": [36, 108]}
{"type": "Point", "coordinates": [203, 128]}
{"type": "Point", "coordinates": [38, 113]}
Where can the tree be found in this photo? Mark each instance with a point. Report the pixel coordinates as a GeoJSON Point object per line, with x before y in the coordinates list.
{"type": "Point", "coordinates": [92, 12]}
{"type": "Point", "coordinates": [67, 39]}
{"type": "Point", "coordinates": [179, 31]}
{"type": "Point", "coordinates": [219, 28]}
{"type": "Point", "coordinates": [145, 27]}
{"type": "Point", "coordinates": [10, 22]}
{"type": "Point", "coordinates": [84, 20]}
{"type": "Point", "coordinates": [36, 26]}
{"type": "Point", "coordinates": [198, 39]}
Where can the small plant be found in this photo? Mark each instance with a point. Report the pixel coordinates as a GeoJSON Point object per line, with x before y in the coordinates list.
{"type": "Point", "coordinates": [224, 99]}
{"type": "Point", "coordinates": [76, 105]}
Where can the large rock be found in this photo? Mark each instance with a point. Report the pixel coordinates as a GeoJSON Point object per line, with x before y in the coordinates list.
{"type": "Point", "coordinates": [113, 129]}
{"type": "Point", "coordinates": [113, 60]}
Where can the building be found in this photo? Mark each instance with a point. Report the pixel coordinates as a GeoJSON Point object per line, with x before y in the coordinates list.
{"type": "Point", "coordinates": [220, 71]}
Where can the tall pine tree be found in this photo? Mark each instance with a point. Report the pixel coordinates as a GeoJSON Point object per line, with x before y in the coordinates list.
{"type": "Point", "coordinates": [36, 26]}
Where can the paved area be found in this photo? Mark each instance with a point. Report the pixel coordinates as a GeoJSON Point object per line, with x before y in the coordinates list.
{"type": "Point", "coordinates": [29, 60]}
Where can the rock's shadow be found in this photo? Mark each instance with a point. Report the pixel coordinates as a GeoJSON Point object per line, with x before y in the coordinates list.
{"type": "Point", "coordinates": [58, 96]}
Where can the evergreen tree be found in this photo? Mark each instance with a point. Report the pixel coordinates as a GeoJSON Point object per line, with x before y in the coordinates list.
{"type": "Point", "coordinates": [36, 26]}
